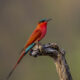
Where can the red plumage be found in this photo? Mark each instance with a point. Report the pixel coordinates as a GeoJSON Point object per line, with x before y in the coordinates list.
{"type": "Point", "coordinates": [36, 36]}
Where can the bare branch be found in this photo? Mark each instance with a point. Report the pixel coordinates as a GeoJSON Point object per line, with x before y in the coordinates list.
{"type": "Point", "coordinates": [53, 50]}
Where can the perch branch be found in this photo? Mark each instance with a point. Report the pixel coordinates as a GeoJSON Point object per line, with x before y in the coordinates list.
{"type": "Point", "coordinates": [53, 50]}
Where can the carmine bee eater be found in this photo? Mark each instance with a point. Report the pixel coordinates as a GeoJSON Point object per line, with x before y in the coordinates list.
{"type": "Point", "coordinates": [37, 35]}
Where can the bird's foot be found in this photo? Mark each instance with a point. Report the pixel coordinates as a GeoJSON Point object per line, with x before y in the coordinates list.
{"type": "Point", "coordinates": [31, 53]}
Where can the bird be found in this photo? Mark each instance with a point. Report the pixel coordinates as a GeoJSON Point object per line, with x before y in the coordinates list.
{"type": "Point", "coordinates": [37, 35]}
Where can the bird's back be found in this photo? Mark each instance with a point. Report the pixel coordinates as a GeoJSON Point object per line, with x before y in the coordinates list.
{"type": "Point", "coordinates": [34, 37]}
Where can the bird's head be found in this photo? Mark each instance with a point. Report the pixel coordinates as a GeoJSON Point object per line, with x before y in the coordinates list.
{"type": "Point", "coordinates": [44, 21]}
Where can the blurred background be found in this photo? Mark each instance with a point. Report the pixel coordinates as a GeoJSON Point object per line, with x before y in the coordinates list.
{"type": "Point", "coordinates": [18, 18]}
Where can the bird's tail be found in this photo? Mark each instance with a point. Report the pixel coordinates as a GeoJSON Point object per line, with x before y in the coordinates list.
{"type": "Point", "coordinates": [22, 55]}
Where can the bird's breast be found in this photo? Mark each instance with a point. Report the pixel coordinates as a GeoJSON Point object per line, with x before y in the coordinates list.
{"type": "Point", "coordinates": [43, 31]}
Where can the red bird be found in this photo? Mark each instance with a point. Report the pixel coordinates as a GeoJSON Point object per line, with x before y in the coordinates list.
{"type": "Point", "coordinates": [35, 37]}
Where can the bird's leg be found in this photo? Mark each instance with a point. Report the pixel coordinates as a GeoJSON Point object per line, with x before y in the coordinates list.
{"type": "Point", "coordinates": [38, 44]}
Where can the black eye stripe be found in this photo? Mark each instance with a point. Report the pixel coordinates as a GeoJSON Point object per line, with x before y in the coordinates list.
{"type": "Point", "coordinates": [42, 20]}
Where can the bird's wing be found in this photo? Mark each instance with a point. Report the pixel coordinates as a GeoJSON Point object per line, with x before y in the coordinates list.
{"type": "Point", "coordinates": [34, 37]}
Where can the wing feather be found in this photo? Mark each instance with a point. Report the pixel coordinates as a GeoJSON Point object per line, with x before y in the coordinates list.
{"type": "Point", "coordinates": [34, 37]}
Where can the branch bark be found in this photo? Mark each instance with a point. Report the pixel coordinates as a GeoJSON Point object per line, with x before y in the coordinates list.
{"type": "Point", "coordinates": [53, 50]}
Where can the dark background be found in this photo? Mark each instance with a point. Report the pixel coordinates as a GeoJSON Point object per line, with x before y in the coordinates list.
{"type": "Point", "coordinates": [18, 18]}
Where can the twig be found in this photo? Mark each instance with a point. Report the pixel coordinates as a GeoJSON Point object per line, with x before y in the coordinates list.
{"type": "Point", "coordinates": [53, 50]}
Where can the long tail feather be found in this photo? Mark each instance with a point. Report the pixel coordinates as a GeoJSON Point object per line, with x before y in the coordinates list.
{"type": "Point", "coordinates": [22, 55]}
{"type": "Point", "coordinates": [16, 65]}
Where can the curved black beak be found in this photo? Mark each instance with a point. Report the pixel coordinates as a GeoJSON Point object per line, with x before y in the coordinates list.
{"type": "Point", "coordinates": [49, 19]}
